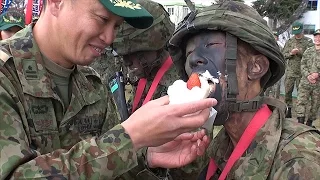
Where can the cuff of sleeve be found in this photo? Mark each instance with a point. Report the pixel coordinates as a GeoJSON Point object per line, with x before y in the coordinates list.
{"type": "Point", "coordinates": [152, 173]}
{"type": "Point", "coordinates": [118, 148]}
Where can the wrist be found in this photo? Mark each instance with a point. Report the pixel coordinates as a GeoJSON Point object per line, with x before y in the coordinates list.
{"type": "Point", "coordinates": [133, 133]}
{"type": "Point", "coordinates": [148, 158]}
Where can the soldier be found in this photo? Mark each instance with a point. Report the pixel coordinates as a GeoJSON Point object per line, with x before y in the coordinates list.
{"type": "Point", "coordinates": [144, 53]}
{"type": "Point", "coordinates": [293, 51]}
{"type": "Point", "coordinates": [233, 42]}
{"type": "Point", "coordinates": [56, 117]}
{"type": "Point", "coordinates": [314, 76]}
{"type": "Point", "coordinates": [308, 89]}
{"type": "Point", "coordinates": [10, 23]}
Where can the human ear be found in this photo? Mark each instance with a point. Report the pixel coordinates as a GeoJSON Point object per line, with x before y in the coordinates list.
{"type": "Point", "coordinates": [257, 67]}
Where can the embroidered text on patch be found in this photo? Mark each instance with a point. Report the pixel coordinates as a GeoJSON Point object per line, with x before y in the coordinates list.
{"type": "Point", "coordinates": [126, 4]}
{"type": "Point", "coordinates": [12, 19]}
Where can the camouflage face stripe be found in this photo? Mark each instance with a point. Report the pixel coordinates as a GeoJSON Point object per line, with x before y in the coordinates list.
{"type": "Point", "coordinates": [38, 139]}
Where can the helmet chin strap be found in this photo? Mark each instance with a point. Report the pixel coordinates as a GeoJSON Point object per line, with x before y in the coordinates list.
{"type": "Point", "coordinates": [232, 82]}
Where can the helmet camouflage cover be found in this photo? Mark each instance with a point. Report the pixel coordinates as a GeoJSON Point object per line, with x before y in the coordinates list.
{"type": "Point", "coordinates": [130, 39]}
{"type": "Point", "coordinates": [238, 20]}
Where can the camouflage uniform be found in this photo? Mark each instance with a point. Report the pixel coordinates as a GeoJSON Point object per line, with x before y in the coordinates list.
{"type": "Point", "coordinates": [131, 40]}
{"type": "Point", "coordinates": [293, 74]}
{"type": "Point", "coordinates": [306, 89]}
{"type": "Point", "coordinates": [38, 140]}
{"type": "Point", "coordinates": [282, 148]}
{"type": "Point", "coordinates": [107, 65]}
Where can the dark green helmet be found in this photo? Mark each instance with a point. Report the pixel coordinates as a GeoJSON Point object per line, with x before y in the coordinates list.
{"type": "Point", "coordinates": [130, 39]}
{"type": "Point", "coordinates": [238, 20]}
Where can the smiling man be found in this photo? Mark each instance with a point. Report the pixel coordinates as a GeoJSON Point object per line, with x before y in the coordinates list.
{"type": "Point", "coordinates": [57, 120]}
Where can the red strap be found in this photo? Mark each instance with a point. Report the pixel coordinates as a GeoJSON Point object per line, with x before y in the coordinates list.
{"type": "Point", "coordinates": [164, 68]}
{"type": "Point", "coordinates": [29, 12]}
{"type": "Point", "coordinates": [142, 84]}
{"type": "Point", "coordinates": [259, 119]}
{"type": "Point", "coordinates": [0, 6]}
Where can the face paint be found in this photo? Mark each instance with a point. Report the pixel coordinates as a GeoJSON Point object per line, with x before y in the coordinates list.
{"type": "Point", "coordinates": [206, 52]}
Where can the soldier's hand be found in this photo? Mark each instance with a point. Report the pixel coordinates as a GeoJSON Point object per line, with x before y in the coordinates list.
{"type": "Point", "coordinates": [315, 75]}
{"type": "Point", "coordinates": [157, 122]}
{"type": "Point", "coordinates": [294, 51]}
{"type": "Point", "coordinates": [177, 153]}
{"type": "Point", "coordinates": [312, 78]}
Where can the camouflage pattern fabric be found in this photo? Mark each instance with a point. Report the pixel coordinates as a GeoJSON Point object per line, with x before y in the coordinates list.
{"type": "Point", "coordinates": [107, 65]}
{"type": "Point", "coordinates": [289, 83]}
{"type": "Point", "coordinates": [274, 90]}
{"type": "Point", "coordinates": [316, 66]}
{"type": "Point", "coordinates": [306, 89]}
{"type": "Point", "coordinates": [130, 39]}
{"type": "Point", "coordinates": [282, 149]}
{"type": "Point", "coordinates": [38, 140]}
{"type": "Point", "coordinates": [293, 63]}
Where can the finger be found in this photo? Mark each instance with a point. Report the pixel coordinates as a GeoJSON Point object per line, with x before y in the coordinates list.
{"type": "Point", "coordinates": [192, 156]}
{"type": "Point", "coordinates": [189, 123]}
{"type": "Point", "coordinates": [160, 101]}
{"type": "Point", "coordinates": [192, 107]}
{"type": "Point", "coordinates": [201, 148]}
{"type": "Point", "coordinates": [199, 135]}
{"type": "Point", "coordinates": [185, 136]}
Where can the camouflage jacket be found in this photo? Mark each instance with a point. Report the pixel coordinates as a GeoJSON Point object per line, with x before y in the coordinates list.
{"type": "Point", "coordinates": [106, 66]}
{"type": "Point", "coordinates": [282, 149]}
{"type": "Point", "coordinates": [168, 78]}
{"type": "Point", "coordinates": [38, 139]}
{"type": "Point", "coordinates": [315, 68]}
{"type": "Point", "coordinates": [293, 61]}
{"type": "Point", "coordinates": [309, 61]}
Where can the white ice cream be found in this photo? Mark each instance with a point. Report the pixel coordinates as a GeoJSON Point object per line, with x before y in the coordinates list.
{"type": "Point", "coordinates": [179, 93]}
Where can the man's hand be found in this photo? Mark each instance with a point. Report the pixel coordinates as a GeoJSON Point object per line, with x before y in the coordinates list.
{"type": "Point", "coordinates": [313, 77]}
{"type": "Point", "coordinates": [179, 152]}
{"type": "Point", "coordinates": [157, 123]}
{"type": "Point", "coordinates": [294, 51]}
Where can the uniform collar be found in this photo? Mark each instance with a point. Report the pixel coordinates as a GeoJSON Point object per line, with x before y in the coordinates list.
{"type": "Point", "coordinates": [35, 79]}
{"type": "Point", "coordinates": [258, 158]}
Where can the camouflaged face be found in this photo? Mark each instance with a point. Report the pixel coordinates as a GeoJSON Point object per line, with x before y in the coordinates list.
{"type": "Point", "coordinates": [130, 39]}
{"type": "Point", "coordinates": [237, 19]}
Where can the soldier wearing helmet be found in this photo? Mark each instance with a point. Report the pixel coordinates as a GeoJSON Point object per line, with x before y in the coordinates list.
{"type": "Point", "coordinates": [144, 54]}
{"type": "Point", "coordinates": [233, 42]}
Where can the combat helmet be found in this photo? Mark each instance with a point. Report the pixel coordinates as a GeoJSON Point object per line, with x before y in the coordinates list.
{"type": "Point", "coordinates": [239, 21]}
{"type": "Point", "coordinates": [130, 39]}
